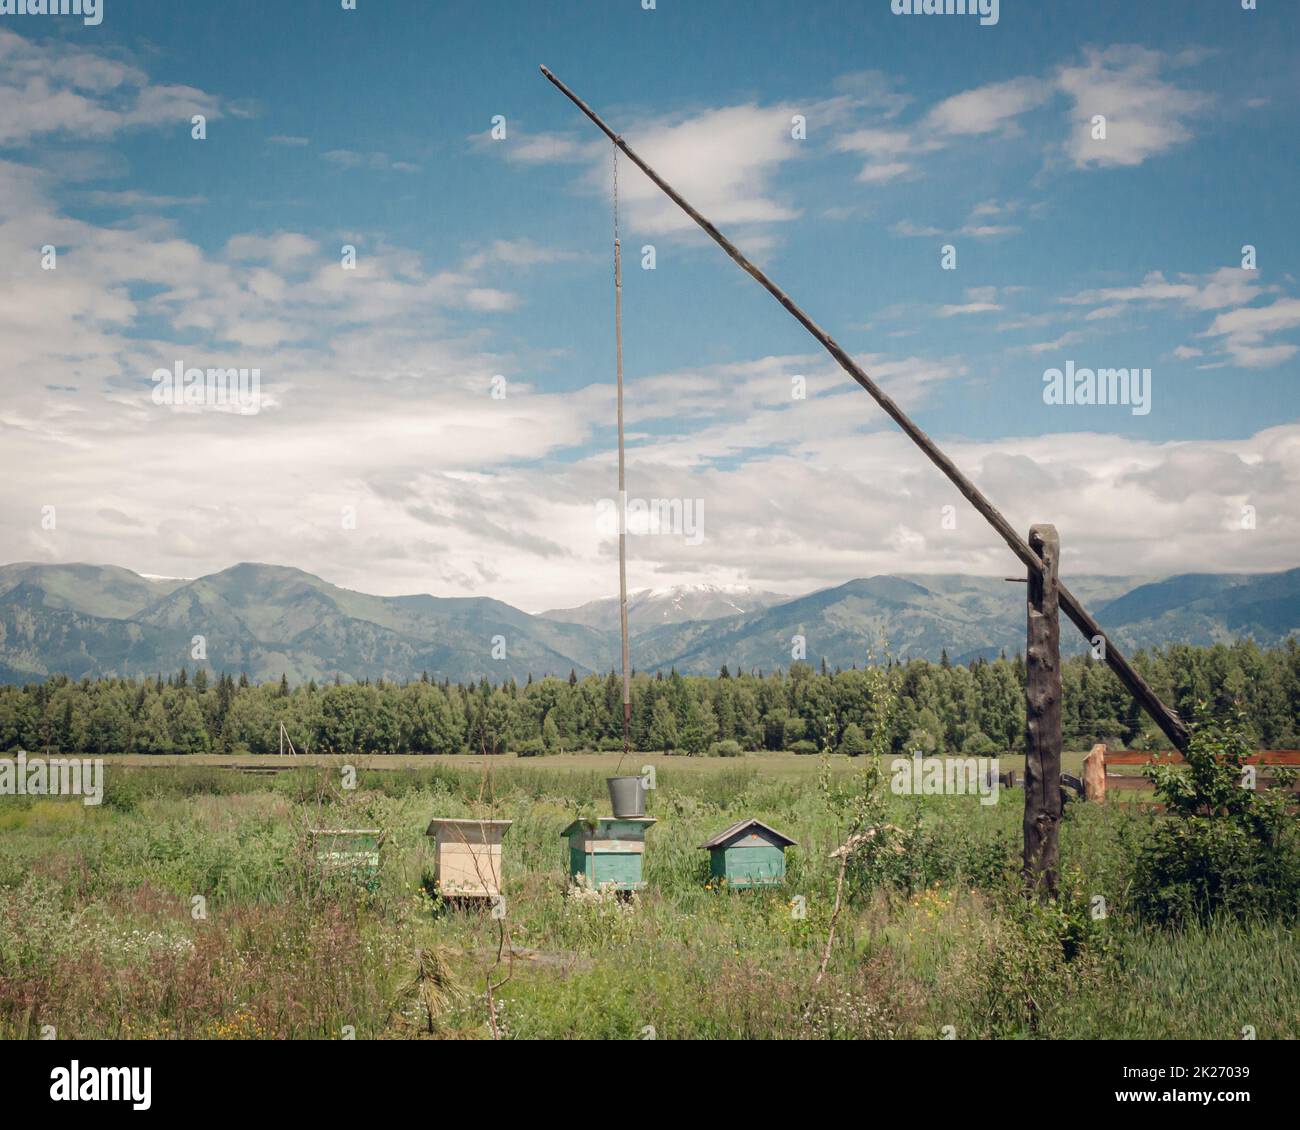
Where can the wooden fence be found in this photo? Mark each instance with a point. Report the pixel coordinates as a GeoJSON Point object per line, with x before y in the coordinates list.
{"type": "Point", "coordinates": [1269, 759]}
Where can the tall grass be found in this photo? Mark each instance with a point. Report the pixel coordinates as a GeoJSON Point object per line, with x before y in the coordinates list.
{"type": "Point", "coordinates": [101, 934]}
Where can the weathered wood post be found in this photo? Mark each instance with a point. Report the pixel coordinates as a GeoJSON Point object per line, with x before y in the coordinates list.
{"type": "Point", "coordinates": [1043, 716]}
{"type": "Point", "coordinates": [1094, 774]}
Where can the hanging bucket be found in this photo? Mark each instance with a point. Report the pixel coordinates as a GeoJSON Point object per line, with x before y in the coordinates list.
{"type": "Point", "coordinates": [626, 796]}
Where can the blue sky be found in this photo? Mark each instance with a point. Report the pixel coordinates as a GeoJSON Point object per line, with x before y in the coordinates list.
{"type": "Point", "coordinates": [479, 257]}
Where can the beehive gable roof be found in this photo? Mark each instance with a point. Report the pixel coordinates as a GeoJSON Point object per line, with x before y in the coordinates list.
{"type": "Point", "coordinates": [742, 826]}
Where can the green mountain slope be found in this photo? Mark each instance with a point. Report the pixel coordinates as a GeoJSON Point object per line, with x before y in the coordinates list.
{"type": "Point", "coordinates": [268, 620]}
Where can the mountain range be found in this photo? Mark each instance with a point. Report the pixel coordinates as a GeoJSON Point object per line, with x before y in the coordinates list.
{"type": "Point", "coordinates": [269, 620]}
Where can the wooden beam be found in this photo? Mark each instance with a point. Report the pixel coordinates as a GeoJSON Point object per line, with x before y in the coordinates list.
{"type": "Point", "coordinates": [1167, 719]}
{"type": "Point", "coordinates": [1043, 716]}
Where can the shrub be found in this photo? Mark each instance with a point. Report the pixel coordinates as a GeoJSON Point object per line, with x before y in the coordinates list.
{"type": "Point", "coordinates": [1222, 847]}
{"type": "Point", "coordinates": [531, 747]}
{"type": "Point", "coordinates": [1035, 959]}
{"type": "Point", "coordinates": [803, 746]}
{"type": "Point", "coordinates": [922, 740]}
{"type": "Point", "coordinates": [726, 748]}
{"type": "Point", "coordinates": [926, 854]}
{"type": "Point", "coordinates": [979, 744]}
{"type": "Point", "coordinates": [122, 791]}
{"type": "Point", "coordinates": [853, 742]}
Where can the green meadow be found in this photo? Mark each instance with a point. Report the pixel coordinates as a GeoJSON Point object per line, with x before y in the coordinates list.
{"type": "Point", "coordinates": [189, 904]}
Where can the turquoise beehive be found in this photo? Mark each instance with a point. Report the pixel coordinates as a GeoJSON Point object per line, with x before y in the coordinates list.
{"type": "Point", "coordinates": [748, 854]}
{"type": "Point", "coordinates": [608, 852]}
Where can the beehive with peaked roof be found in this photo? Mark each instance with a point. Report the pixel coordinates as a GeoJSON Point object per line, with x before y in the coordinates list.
{"type": "Point", "coordinates": [748, 854]}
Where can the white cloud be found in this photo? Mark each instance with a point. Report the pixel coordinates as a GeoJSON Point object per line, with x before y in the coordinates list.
{"type": "Point", "coordinates": [979, 300]}
{"type": "Point", "coordinates": [907, 228]}
{"type": "Point", "coordinates": [884, 172]}
{"type": "Point", "coordinates": [64, 90]}
{"type": "Point", "coordinates": [721, 160]}
{"type": "Point", "coordinates": [284, 249]}
{"type": "Point", "coordinates": [970, 308]}
{"type": "Point", "coordinates": [1227, 286]}
{"type": "Point", "coordinates": [378, 162]}
{"type": "Point", "coordinates": [136, 199]}
{"type": "Point", "coordinates": [1145, 115]}
{"type": "Point", "coordinates": [1245, 332]}
{"type": "Point", "coordinates": [990, 108]}
{"type": "Point", "coordinates": [517, 253]}
{"type": "Point", "coordinates": [539, 147]}
{"type": "Point", "coordinates": [973, 228]}
{"type": "Point", "coordinates": [378, 398]}
{"type": "Point", "coordinates": [1070, 337]}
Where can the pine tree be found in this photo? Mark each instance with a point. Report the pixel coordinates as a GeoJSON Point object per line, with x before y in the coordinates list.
{"type": "Point", "coordinates": [663, 727]}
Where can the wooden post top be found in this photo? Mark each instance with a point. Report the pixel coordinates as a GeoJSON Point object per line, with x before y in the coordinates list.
{"type": "Point", "coordinates": [1043, 535]}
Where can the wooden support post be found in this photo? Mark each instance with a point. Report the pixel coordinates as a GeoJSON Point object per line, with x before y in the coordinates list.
{"type": "Point", "coordinates": [1043, 716]}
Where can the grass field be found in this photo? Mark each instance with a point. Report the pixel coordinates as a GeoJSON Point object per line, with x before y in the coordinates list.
{"type": "Point", "coordinates": [189, 904]}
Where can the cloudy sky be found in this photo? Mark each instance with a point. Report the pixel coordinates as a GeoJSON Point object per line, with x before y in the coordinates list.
{"type": "Point", "coordinates": [380, 457]}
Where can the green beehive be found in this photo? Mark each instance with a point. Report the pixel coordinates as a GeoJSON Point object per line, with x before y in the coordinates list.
{"type": "Point", "coordinates": [748, 854]}
{"type": "Point", "coordinates": [608, 853]}
{"type": "Point", "coordinates": [351, 850]}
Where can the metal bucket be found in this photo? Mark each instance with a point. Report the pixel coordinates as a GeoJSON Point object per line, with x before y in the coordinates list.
{"type": "Point", "coordinates": [626, 796]}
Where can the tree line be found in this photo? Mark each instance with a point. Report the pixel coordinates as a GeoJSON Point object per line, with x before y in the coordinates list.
{"type": "Point", "coordinates": [977, 708]}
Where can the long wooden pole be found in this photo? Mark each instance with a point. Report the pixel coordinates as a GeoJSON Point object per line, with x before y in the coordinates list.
{"type": "Point", "coordinates": [1167, 719]}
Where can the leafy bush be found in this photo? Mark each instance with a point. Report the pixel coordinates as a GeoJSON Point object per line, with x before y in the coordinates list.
{"type": "Point", "coordinates": [1035, 959]}
{"type": "Point", "coordinates": [853, 742]}
{"type": "Point", "coordinates": [803, 746]}
{"type": "Point", "coordinates": [1223, 847]}
{"type": "Point", "coordinates": [726, 748]}
{"type": "Point", "coordinates": [122, 792]}
{"type": "Point", "coordinates": [979, 744]}
{"type": "Point", "coordinates": [926, 854]}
